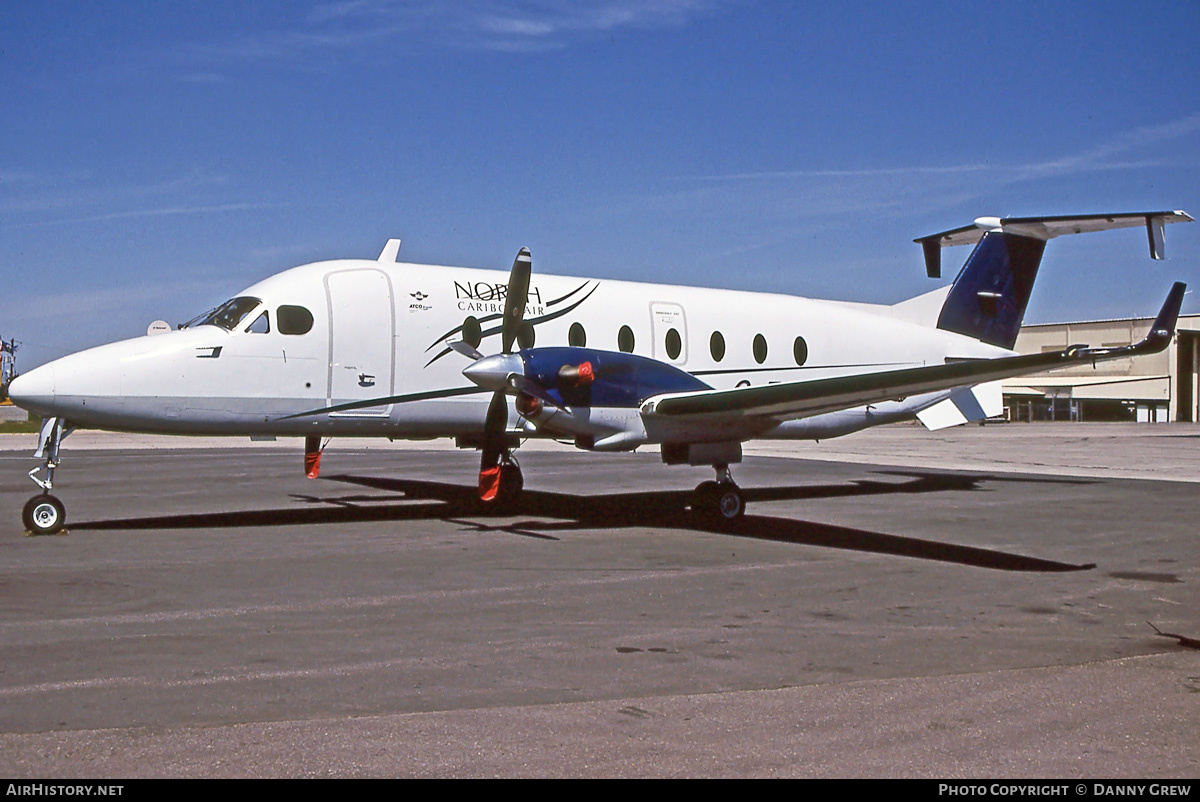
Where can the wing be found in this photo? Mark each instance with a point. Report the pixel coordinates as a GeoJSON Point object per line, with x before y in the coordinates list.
{"type": "Point", "coordinates": [804, 399]}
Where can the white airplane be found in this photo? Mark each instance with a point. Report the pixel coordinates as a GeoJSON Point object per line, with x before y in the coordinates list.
{"type": "Point", "coordinates": [358, 348]}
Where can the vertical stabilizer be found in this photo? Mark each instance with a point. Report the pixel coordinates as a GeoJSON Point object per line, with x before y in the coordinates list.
{"type": "Point", "coordinates": [988, 299]}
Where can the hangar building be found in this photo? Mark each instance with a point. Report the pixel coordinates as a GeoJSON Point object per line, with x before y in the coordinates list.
{"type": "Point", "coordinates": [1151, 389]}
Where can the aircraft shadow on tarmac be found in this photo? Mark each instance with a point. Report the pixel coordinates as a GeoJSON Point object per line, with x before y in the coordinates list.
{"type": "Point", "coordinates": [409, 499]}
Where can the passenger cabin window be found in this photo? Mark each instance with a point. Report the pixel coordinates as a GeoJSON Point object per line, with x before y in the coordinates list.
{"type": "Point", "coordinates": [261, 325]}
{"type": "Point", "coordinates": [472, 333]}
{"type": "Point", "coordinates": [577, 337]}
{"type": "Point", "coordinates": [293, 319]}
{"type": "Point", "coordinates": [800, 351]}
{"type": "Point", "coordinates": [674, 344]}
{"type": "Point", "coordinates": [760, 348]}
{"type": "Point", "coordinates": [525, 335]}
{"type": "Point", "coordinates": [716, 346]}
{"type": "Point", "coordinates": [625, 339]}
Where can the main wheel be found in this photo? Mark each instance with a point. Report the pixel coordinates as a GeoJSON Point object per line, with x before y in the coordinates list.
{"type": "Point", "coordinates": [717, 503]}
{"type": "Point", "coordinates": [730, 504]}
{"type": "Point", "coordinates": [512, 482]}
{"type": "Point", "coordinates": [44, 515]}
{"type": "Point", "coordinates": [508, 489]}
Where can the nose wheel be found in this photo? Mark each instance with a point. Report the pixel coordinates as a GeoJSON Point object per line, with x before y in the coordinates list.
{"type": "Point", "coordinates": [44, 515]}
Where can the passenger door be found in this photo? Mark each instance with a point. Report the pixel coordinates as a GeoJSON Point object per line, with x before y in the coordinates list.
{"type": "Point", "coordinates": [362, 326]}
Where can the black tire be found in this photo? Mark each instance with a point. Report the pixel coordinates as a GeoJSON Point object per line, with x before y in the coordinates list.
{"type": "Point", "coordinates": [512, 482]}
{"type": "Point", "coordinates": [705, 495]}
{"type": "Point", "coordinates": [730, 504]}
{"type": "Point", "coordinates": [44, 515]}
{"type": "Point", "coordinates": [717, 503]}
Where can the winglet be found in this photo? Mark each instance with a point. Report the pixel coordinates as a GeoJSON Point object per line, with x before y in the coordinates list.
{"type": "Point", "coordinates": [1164, 324]}
{"type": "Point", "coordinates": [1157, 339]}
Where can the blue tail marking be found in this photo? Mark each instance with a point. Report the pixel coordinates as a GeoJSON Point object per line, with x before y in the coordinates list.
{"type": "Point", "coordinates": [988, 299]}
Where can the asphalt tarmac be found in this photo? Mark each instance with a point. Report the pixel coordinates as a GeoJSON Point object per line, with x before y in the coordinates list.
{"type": "Point", "coordinates": [211, 612]}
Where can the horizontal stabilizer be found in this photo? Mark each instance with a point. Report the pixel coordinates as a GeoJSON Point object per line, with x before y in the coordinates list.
{"type": "Point", "coordinates": [1047, 228]}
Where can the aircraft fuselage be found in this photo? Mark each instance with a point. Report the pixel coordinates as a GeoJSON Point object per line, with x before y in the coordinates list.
{"type": "Point", "coordinates": [333, 333]}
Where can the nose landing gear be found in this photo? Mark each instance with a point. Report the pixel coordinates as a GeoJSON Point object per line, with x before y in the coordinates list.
{"type": "Point", "coordinates": [44, 514]}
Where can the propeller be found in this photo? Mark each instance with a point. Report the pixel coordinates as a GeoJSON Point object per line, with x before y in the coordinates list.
{"type": "Point", "coordinates": [502, 373]}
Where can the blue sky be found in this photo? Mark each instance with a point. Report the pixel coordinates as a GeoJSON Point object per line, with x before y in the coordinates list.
{"type": "Point", "coordinates": [156, 158]}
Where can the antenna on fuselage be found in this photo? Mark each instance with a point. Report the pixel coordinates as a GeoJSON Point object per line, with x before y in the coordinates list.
{"type": "Point", "coordinates": [390, 251]}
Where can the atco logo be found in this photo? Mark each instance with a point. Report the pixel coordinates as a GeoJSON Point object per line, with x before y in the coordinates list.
{"type": "Point", "coordinates": [417, 306]}
{"type": "Point", "coordinates": [484, 297]}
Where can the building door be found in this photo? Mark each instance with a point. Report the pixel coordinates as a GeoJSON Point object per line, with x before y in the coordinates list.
{"type": "Point", "coordinates": [1187, 368]}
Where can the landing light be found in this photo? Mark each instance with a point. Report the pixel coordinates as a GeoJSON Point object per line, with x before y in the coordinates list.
{"type": "Point", "coordinates": [527, 405]}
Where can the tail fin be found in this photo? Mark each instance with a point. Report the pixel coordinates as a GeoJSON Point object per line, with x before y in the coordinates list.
{"type": "Point", "coordinates": [988, 299]}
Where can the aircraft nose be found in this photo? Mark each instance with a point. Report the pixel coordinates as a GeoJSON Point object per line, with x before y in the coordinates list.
{"type": "Point", "coordinates": [34, 391]}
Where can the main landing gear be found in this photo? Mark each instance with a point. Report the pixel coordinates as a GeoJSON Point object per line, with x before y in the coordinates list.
{"type": "Point", "coordinates": [718, 502]}
{"type": "Point", "coordinates": [44, 514]}
{"type": "Point", "coordinates": [500, 485]}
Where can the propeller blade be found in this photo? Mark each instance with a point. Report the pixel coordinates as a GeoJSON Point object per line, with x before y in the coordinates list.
{"type": "Point", "coordinates": [466, 349]}
{"type": "Point", "coordinates": [514, 303]}
{"type": "Point", "coordinates": [532, 388]}
{"type": "Point", "coordinates": [494, 428]}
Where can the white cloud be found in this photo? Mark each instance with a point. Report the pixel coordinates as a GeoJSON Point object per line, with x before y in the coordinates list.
{"type": "Point", "coordinates": [38, 193]}
{"type": "Point", "coordinates": [1101, 157]}
{"type": "Point", "coordinates": [158, 212]}
{"type": "Point", "coordinates": [502, 25]}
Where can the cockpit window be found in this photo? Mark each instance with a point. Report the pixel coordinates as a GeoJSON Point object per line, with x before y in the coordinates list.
{"type": "Point", "coordinates": [293, 319]}
{"type": "Point", "coordinates": [228, 315]}
{"type": "Point", "coordinates": [261, 325]}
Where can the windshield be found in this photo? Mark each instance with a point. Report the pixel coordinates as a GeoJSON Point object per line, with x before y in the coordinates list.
{"type": "Point", "coordinates": [227, 315]}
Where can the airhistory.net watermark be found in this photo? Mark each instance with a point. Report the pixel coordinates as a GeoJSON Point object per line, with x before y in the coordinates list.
{"type": "Point", "coordinates": [46, 789]}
